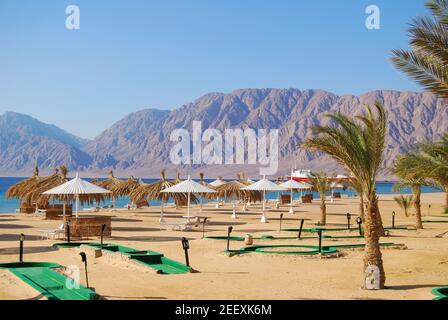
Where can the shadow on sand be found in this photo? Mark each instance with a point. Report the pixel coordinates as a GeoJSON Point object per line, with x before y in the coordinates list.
{"type": "Point", "coordinates": [412, 286]}
{"type": "Point", "coordinates": [14, 226]}
{"type": "Point", "coordinates": [221, 223]}
{"type": "Point", "coordinates": [114, 219]}
{"type": "Point", "coordinates": [136, 229]}
{"type": "Point", "coordinates": [149, 239]}
{"type": "Point", "coordinates": [14, 237]}
{"type": "Point", "coordinates": [15, 250]}
{"type": "Point", "coordinates": [253, 230]}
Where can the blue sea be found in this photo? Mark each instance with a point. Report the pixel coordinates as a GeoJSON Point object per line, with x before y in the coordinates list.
{"type": "Point", "coordinates": [9, 206]}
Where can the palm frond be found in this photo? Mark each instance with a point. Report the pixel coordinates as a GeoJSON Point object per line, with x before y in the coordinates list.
{"type": "Point", "coordinates": [426, 62]}
{"type": "Point", "coordinates": [404, 202]}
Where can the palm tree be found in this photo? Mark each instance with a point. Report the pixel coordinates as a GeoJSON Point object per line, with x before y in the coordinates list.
{"type": "Point", "coordinates": [434, 162]}
{"type": "Point", "coordinates": [427, 61]}
{"type": "Point", "coordinates": [404, 202]}
{"type": "Point", "coordinates": [407, 168]}
{"type": "Point", "coordinates": [321, 184]}
{"type": "Point", "coordinates": [358, 145]}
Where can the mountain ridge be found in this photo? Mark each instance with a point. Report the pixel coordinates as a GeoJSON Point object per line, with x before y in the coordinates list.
{"type": "Point", "coordinates": [139, 142]}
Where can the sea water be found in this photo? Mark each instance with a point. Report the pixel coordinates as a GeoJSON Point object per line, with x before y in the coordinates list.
{"type": "Point", "coordinates": [10, 205]}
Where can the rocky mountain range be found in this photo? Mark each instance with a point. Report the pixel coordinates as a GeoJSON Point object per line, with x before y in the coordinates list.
{"type": "Point", "coordinates": [139, 144]}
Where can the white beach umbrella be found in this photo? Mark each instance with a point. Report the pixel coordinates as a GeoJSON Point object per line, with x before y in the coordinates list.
{"type": "Point", "coordinates": [188, 186]}
{"type": "Point", "coordinates": [75, 187]}
{"type": "Point", "coordinates": [335, 185]}
{"type": "Point", "coordinates": [218, 182]}
{"type": "Point", "coordinates": [291, 184]}
{"type": "Point", "coordinates": [264, 185]}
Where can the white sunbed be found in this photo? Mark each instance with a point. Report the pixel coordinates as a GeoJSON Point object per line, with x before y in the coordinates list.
{"type": "Point", "coordinates": [40, 213]}
{"type": "Point", "coordinates": [92, 209]}
{"type": "Point", "coordinates": [181, 226]}
{"type": "Point", "coordinates": [52, 233]}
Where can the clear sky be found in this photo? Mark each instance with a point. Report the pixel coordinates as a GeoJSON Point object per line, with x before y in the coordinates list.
{"type": "Point", "coordinates": [130, 55]}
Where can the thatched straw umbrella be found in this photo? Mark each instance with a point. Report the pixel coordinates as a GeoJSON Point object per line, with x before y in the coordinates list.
{"type": "Point", "coordinates": [183, 197]}
{"type": "Point", "coordinates": [231, 189]}
{"type": "Point", "coordinates": [109, 184]}
{"type": "Point", "coordinates": [33, 193]}
{"type": "Point", "coordinates": [55, 180]}
{"type": "Point", "coordinates": [218, 182]}
{"type": "Point", "coordinates": [125, 187]}
{"type": "Point", "coordinates": [73, 189]}
{"type": "Point", "coordinates": [153, 191]}
{"type": "Point", "coordinates": [20, 189]}
{"type": "Point", "coordinates": [250, 196]}
{"type": "Point", "coordinates": [189, 187]}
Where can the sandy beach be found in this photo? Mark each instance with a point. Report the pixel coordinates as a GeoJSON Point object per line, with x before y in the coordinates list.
{"type": "Point", "coordinates": [411, 273]}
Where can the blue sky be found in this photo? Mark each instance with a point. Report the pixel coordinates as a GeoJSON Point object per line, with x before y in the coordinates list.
{"type": "Point", "coordinates": [130, 55]}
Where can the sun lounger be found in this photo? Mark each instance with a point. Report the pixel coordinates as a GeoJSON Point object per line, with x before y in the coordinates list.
{"type": "Point", "coordinates": [52, 233]}
{"type": "Point", "coordinates": [181, 226]}
{"type": "Point", "coordinates": [40, 213]}
{"type": "Point", "coordinates": [96, 209]}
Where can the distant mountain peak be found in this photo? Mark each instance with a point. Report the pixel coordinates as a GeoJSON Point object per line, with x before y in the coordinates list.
{"type": "Point", "coordinates": [13, 120]}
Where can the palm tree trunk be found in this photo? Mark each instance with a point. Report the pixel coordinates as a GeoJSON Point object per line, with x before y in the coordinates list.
{"type": "Point", "coordinates": [380, 221]}
{"type": "Point", "coordinates": [446, 199]}
{"type": "Point", "coordinates": [373, 230]}
{"type": "Point", "coordinates": [378, 217]}
{"type": "Point", "coordinates": [323, 212]}
{"type": "Point", "coordinates": [418, 209]}
{"type": "Point", "coordinates": [361, 206]}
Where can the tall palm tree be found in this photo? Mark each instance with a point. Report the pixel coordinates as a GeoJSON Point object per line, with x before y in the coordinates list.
{"type": "Point", "coordinates": [407, 168]}
{"type": "Point", "coordinates": [427, 61]}
{"type": "Point", "coordinates": [321, 184]}
{"type": "Point", "coordinates": [358, 145]}
{"type": "Point", "coordinates": [404, 202]}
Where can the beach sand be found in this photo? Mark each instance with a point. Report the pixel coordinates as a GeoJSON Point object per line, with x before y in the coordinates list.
{"type": "Point", "coordinates": [411, 273]}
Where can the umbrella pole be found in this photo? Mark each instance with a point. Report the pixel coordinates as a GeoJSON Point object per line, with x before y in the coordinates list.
{"type": "Point", "coordinates": [162, 220]}
{"type": "Point", "coordinates": [76, 205]}
{"type": "Point", "coordinates": [291, 210]}
{"type": "Point", "coordinates": [63, 212]}
{"type": "Point", "coordinates": [188, 205]}
{"type": "Point", "coordinates": [263, 217]}
{"type": "Point", "coordinates": [234, 210]}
